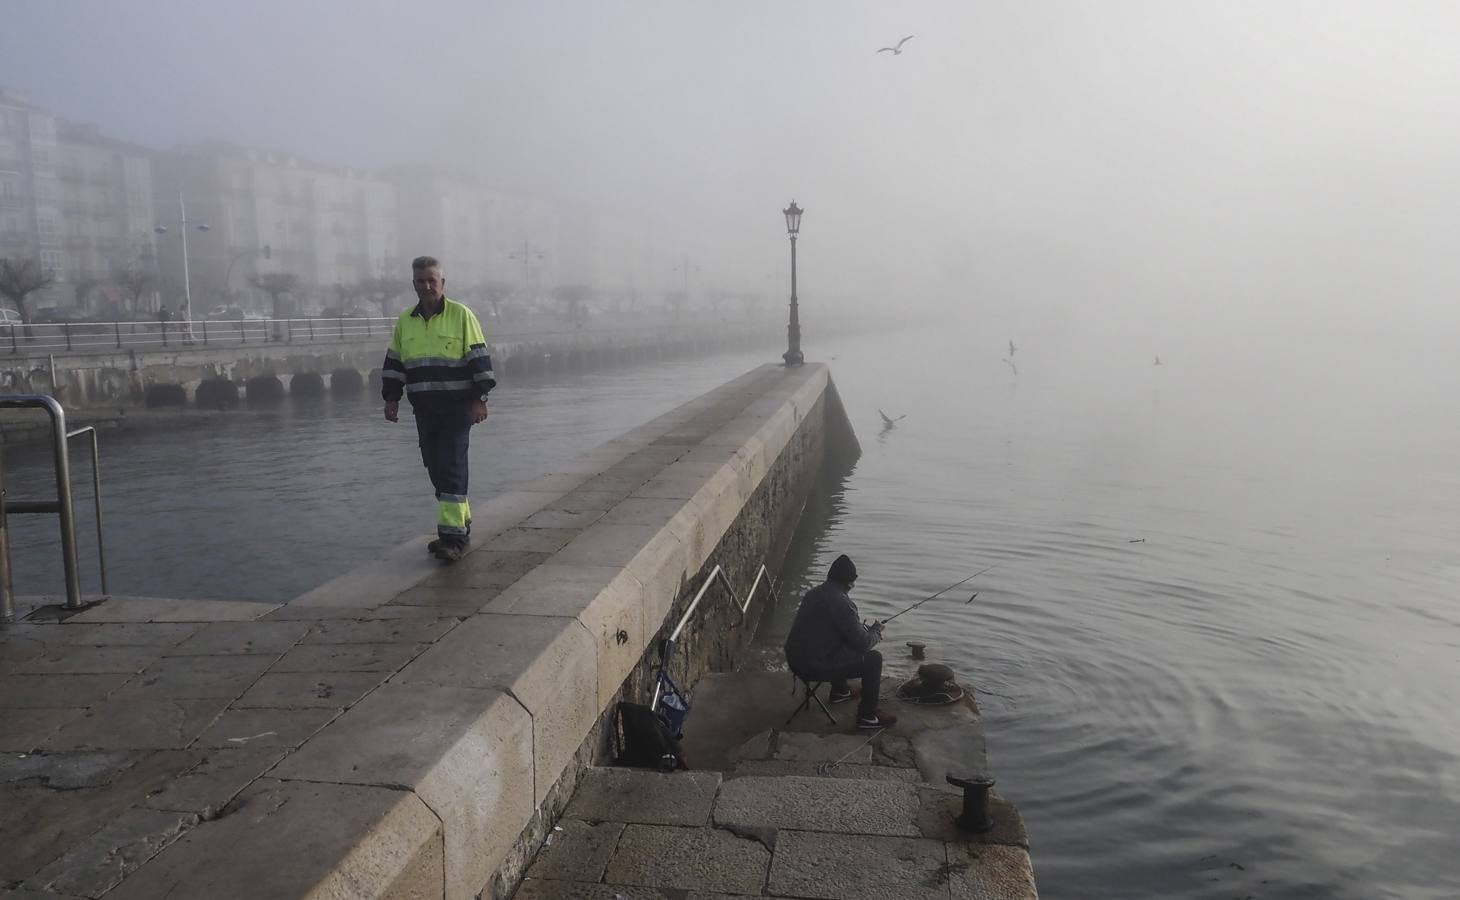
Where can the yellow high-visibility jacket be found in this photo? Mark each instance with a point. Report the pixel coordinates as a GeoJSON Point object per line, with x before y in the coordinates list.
{"type": "Point", "coordinates": [440, 363]}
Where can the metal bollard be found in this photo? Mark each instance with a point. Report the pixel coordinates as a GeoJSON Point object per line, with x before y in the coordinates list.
{"type": "Point", "coordinates": [975, 816]}
{"type": "Point", "coordinates": [917, 648]}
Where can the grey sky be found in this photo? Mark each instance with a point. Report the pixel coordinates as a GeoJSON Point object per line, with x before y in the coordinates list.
{"type": "Point", "coordinates": [1141, 166]}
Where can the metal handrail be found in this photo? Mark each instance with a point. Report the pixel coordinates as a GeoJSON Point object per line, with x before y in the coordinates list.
{"type": "Point", "coordinates": [62, 505]}
{"type": "Point", "coordinates": [96, 496]}
{"type": "Point", "coordinates": [668, 646]}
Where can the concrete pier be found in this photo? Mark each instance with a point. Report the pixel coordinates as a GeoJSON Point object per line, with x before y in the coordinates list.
{"type": "Point", "coordinates": [805, 809]}
{"type": "Point", "coordinates": [408, 729]}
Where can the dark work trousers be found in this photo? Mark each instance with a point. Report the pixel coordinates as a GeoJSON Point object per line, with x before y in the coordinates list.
{"type": "Point", "coordinates": [867, 667]}
{"type": "Point", "coordinates": [444, 438]}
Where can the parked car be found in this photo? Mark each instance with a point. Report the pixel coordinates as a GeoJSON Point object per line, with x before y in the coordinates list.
{"type": "Point", "coordinates": [54, 315]}
{"type": "Point", "coordinates": [351, 311]}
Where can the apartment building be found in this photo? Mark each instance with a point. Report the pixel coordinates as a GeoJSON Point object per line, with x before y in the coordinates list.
{"type": "Point", "coordinates": [30, 205]}
{"type": "Point", "coordinates": [105, 196]}
{"type": "Point", "coordinates": [74, 199]}
{"type": "Point", "coordinates": [274, 212]}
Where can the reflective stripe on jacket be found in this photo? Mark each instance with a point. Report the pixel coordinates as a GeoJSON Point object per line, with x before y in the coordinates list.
{"type": "Point", "coordinates": [438, 362]}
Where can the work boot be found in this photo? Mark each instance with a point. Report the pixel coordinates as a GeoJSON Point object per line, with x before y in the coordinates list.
{"type": "Point", "coordinates": [450, 552]}
{"type": "Point", "coordinates": [851, 693]}
{"type": "Point", "coordinates": [879, 719]}
{"type": "Point", "coordinates": [432, 547]}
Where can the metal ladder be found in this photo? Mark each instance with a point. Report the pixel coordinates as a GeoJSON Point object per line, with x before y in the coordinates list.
{"type": "Point", "coordinates": [62, 504]}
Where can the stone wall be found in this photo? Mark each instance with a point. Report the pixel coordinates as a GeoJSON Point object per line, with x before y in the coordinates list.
{"type": "Point", "coordinates": [478, 692]}
{"type": "Point", "coordinates": [718, 632]}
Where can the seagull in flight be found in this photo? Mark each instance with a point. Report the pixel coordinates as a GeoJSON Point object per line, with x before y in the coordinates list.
{"type": "Point", "coordinates": [1158, 360]}
{"type": "Point", "coordinates": [1012, 348]}
{"type": "Point", "coordinates": [888, 421]}
{"type": "Point", "coordinates": [896, 51]}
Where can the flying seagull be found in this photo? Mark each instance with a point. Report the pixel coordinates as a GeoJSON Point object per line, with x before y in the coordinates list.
{"type": "Point", "coordinates": [1158, 360]}
{"type": "Point", "coordinates": [888, 421]}
{"type": "Point", "coordinates": [1010, 364]}
{"type": "Point", "coordinates": [896, 51]}
{"type": "Point", "coordinates": [1012, 348]}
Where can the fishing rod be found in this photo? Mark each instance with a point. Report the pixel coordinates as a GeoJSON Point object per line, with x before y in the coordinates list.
{"type": "Point", "coordinates": [942, 592]}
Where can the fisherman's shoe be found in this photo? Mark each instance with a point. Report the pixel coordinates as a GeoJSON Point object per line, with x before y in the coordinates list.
{"type": "Point", "coordinates": [881, 719]}
{"type": "Point", "coordinates": [850, 693]}
{"type": "Point", "coordinates": [432, 547]}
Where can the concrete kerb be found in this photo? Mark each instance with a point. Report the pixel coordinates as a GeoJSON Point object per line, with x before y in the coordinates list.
{"type": "Point", "coordinates": [547, 663]}
{"type": "Point", "coordinates": [304, 840]}
{"type": "Point", "coordinates": [160, 609]}
{"type": "Point", "coordinates": [466, 752]}
{"type": "Point", "coordinates": [661, 567]}
{"type": "Point", "coordinates": [606, 600]}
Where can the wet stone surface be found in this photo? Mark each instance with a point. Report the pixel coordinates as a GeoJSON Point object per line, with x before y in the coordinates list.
{"type": "Point", "coordinates": [688, 859]}
{"type": "Point", "coordinates": [650, 798]}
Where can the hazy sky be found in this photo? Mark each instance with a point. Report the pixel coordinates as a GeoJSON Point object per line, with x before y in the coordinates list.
{"type": "Point", "coordinates": [1207, 168]}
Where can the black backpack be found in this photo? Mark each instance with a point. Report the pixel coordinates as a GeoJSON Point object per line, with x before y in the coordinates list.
{"type": "Point", "coordinates": [645, 742]}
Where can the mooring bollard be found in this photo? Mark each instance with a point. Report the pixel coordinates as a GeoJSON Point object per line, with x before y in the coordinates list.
{"type": "Point", "coordinates": [975, 817]}
{"type": "Point", "coordinates": [917, 648]}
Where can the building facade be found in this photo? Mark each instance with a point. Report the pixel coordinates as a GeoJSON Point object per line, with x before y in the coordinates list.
{"type": "Point", "coordinates": [269, 212]}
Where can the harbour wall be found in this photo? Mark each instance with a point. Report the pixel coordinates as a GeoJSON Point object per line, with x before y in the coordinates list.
{"type": "Point", "coordinates": [214, 376]}
{"type": "Point", "coordinates": [503, 670]}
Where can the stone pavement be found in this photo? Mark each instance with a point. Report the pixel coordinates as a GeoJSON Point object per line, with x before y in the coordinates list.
{"type": "Point", "coordinates": [391, 732]}
{"type": "Point", "coordinates": [807, 810]}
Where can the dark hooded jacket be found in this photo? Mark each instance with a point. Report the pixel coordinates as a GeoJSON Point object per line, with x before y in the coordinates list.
{"type": "Point", "coordinates": [827, 631]}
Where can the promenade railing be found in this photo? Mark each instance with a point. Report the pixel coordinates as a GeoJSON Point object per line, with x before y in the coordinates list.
{"type": "Point", "coordinates": [97, 337]}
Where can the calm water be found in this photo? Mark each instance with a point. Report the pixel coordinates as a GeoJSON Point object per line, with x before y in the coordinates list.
{"type": "Point", "coordinates": [267, 507]}
{"type": "Point", "coordinates": [1257, 700]}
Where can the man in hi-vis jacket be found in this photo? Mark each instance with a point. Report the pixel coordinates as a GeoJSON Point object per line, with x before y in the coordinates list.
{"type": "Point", "coordinates": [438, 358]}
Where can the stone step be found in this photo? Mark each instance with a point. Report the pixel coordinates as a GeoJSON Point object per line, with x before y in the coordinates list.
{"type": "Point", "coordinates": [643, 797]}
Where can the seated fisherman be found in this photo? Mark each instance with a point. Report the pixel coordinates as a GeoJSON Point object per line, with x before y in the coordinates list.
{"type": "Point", "coordinates": [828, 642]}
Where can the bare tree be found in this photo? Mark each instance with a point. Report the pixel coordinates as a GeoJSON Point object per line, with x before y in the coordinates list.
{"type": "Point", "coordinates": [134, 280]}
{"type": "Point", "coordinates": [383, 291]}
{"type": "Point", "coordinates": [497, 293]}
{"type": "Point", "coordinates": [276, 285]}
{"type": "Point", "coordinates": [574, 299]}
{"type": "Point", "coordinates": [82, 288]}
{"type": "Point", "coordinates": [716, 299]}
{"type": "Point", "coordinates": [21, 278]}
{"type": "Point", "coordinates": [343, 292]}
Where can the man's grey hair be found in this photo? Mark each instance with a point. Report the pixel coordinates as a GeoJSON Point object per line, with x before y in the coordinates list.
{"type": "Point", "coordinates": [425, 262]}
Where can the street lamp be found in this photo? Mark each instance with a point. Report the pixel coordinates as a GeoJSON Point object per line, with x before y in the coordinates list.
{"type": "Point", "coordinates": [528, 253]}
{"type": "Point", "coordinates": [182, 229]}
{"type": "Point", "coordinates": [793, 356]}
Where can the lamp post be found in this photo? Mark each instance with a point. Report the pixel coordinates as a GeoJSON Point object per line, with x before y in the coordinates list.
{"type": "Point", "coordinates": [793, 356]}
{"type": "Point", "coordinates": [182, 230]}
{"type": "Point", "coordinates": [684, 268]}
{"type": "Point", "coordinates": [527, 255]}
